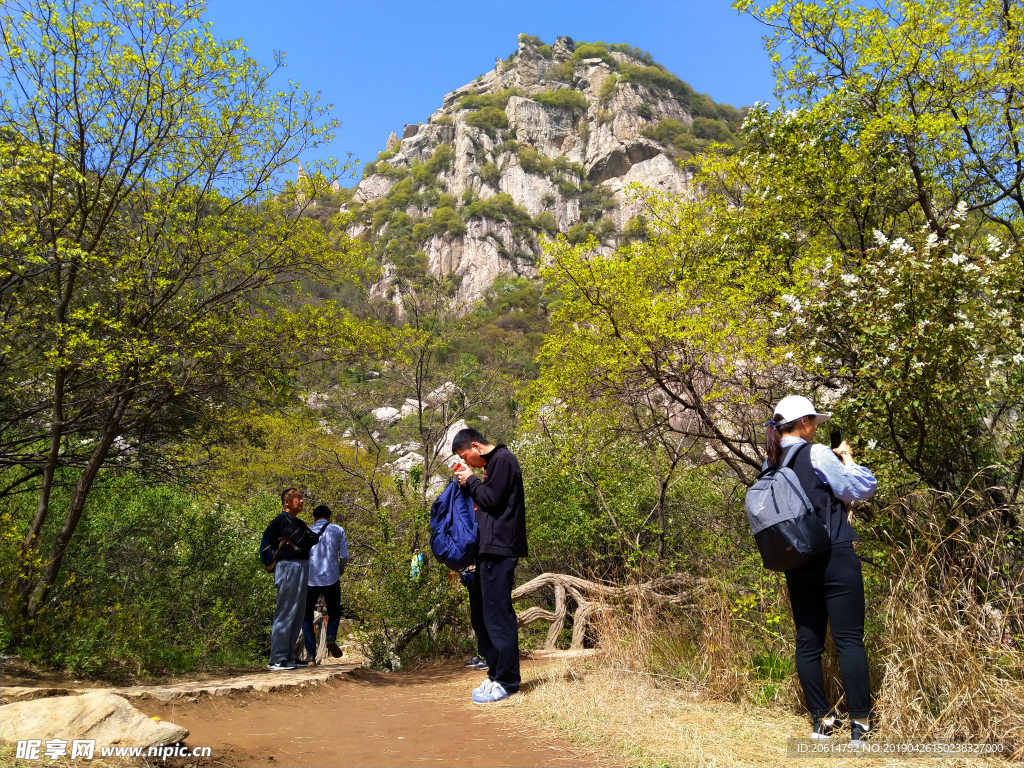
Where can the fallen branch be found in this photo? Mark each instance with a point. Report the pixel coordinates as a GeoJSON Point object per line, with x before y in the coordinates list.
{"type": "Point", "coordinates": [591, 598]}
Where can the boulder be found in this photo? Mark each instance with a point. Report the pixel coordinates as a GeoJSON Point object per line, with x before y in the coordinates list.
{"type": "Point", "coordinates": [410, 406]}
{"type": "Point", "coordinates": [443, 394]}
{"type": "Point", "coordinates": [407, 462]}
{"type": "Point", "coordinates": [386, 415]}
{"type": "Point", "coordinates": [105, 717]}
{"type": "Point", "coordinates": [444, 445]}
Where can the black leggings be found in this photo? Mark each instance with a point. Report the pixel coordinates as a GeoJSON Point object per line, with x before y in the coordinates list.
{"type": "Point", "coordinates": [831, 589]}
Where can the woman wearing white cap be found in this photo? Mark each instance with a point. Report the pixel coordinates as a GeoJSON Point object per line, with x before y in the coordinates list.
{"type": "Point", "coordinates": [829, 589]}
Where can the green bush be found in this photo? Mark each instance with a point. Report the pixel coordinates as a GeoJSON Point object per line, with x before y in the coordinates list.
{"type": "Point", "coordinates": [156, 581]}
{"type": "Point", "coordinates": [563, 98]}
{"type": "Point", "coordinates": [444, 120]}
{"type": "Point", "coordinates": [712, 130]}
{"type": "Point", "coordinates": [608, 87]}
{"type": "Point", "coordinates": [545, 222]}
{"type": "Point", "coordinates": [489, 173]}
{"type": "Point", "coordinates": [488, 119]}
{"type": "Point", "coordinates": [636, 53]}
{"type": "Point", "coordinates": [533, 161]}
{"type": "Point", "coordinates": [665, 131]}
{"type": "Point", "coordinates": [644, 111]}
{"type": "Point", "coordinates": [442, 159]}
{"type": "Point", "coordinates": [561, 72]}
{"type": "Point", "coordinates": [542, 48]}
{"type": "Point", "coordinates": [596, 50]}
{"type": "Point", "coordinates": [500, 207]}
{"type": "Point", "coordinates": [474, 100]}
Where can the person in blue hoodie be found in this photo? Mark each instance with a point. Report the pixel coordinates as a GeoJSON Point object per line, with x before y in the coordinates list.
{"type": "Point", "coordinates": [500, 507]}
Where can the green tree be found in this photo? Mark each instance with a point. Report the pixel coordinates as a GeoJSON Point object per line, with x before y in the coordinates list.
{"type": "Point", "coordinates": [146, 249]}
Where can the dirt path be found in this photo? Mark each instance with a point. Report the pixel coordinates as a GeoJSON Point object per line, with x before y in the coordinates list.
{"type": "Point", "coordinates": [366, 718]}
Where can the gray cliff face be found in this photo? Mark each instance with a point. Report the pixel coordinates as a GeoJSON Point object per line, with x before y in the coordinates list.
{"type": "Point", "coordinates": [553, 161]}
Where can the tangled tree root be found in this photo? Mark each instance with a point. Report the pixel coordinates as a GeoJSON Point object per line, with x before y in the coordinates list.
{"type": "Point", "coordinates": [591, 598]}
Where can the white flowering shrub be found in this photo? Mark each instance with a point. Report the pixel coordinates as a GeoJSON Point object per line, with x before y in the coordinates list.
{"type": "Point", "coordinates": [922, 347]}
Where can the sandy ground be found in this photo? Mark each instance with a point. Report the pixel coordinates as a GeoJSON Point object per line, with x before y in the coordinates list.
{"type": "Point", "coordinates": [366, 718]}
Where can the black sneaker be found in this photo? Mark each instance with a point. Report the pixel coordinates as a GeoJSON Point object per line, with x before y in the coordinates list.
{"type": "Point", "coordinates": [859, 735]}
{"type": "Point", "coordinates": [298, 663]}
{"type": "Point", "coordinates": [335, 649]}
{"type": "Point", "coordinates": [823, 727]}
{"type": "Point", "coordinates": [481, 665]}
{"type": "Point", "coordinates": [474, 661]}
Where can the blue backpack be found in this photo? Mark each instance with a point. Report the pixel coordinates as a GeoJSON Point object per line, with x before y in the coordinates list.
{"type": "Point", "coordinates": [453, 531]}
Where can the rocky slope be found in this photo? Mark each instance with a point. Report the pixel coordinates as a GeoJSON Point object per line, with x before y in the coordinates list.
{"type": "Point", "coordinates": [545, 143]}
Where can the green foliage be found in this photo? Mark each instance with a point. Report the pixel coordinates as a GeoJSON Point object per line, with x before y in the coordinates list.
{"type": "Point", "coordinates": [489, 173]}
{"type": "Point", "coordinates": [596, 50]}
{"type": "Point", "coordinates": [445, 119]}
{"type": "Point", "coordinates": [158, 319]}
{"type": "Point", "coordinates": [561, 72]}
{"type": "Point", "coordinates": [499, 99]}
{"type": "Point", "coordinates": [913, 332]}
{"type": "Point", "coordinates": [563, 98]}
{"type": "Point", "coordinates": [608, 88]}
{"type": "Point", "coordinates": [546, 222]}
{"type": "Point", "coordinates": [684, 141]}
{"type": "Point", "coordinates": [637, 53]}
{"type": "Point", "coordinates": [500, 207]}
{"type": "Point", "coordinates": [542, 48]}
{"type": "Point", "coordinates": [644, 111]}
{"type": "Point", "coordinates": [157, 581]}
{"type": "Point", "coordinates": [488, 119]}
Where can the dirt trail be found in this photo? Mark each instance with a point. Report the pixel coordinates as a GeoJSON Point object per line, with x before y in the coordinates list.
{"type": "Point", "coordinates": [366, 718]}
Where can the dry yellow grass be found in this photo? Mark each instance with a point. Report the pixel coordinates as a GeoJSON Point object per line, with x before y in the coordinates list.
{"type": "Point", "coordinates": [634, 720]}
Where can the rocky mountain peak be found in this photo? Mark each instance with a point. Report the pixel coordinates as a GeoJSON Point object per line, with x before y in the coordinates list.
{"type": "Point", "coordinates": [545, 143]}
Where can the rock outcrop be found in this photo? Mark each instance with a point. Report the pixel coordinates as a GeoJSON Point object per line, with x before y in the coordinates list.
{"type": "Point", "coordinates": [104, 717]}
{"type": "Point", "coordinates": [545, 143]}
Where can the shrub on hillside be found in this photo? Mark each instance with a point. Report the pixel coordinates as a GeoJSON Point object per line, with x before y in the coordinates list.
{"type": "Point", "coordinates": [500, 207]}
{"type": "Point", "coordinates": [545, 222]}
{"type": "Point", "coordinates": [474, 100]}
{"type": "Point", "coordinates": [489, 173]}
{"type": "Point", "coordinates": [561, 72]}
{"type": "Point", "coordinates": [596, 50]}
{"type": "Point", "coordinates": [563, 98]}
{"type": "Point", "coordinates": [637, 53]}
{"type": "Point", "coordinates": [156, 581]}
{"type": "Point", "coordinates": [488, 119]}
{"type": "Point", "coordinates": [608, 87]}
{"type": "Point", "coordinates": [532, 161]}
{"type": "Point", "coordinates": [713, 130]}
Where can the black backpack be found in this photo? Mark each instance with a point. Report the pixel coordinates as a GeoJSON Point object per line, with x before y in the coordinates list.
{"type": "Point", "coordinates": [787, 530]}
{"type": "Point", "coordinates": [299, 537]}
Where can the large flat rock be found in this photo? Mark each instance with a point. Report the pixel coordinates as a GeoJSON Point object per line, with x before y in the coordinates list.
{"type": "Point", "coordinates": [105, 717]}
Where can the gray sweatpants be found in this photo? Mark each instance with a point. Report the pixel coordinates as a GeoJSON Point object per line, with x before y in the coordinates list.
{"type": "Point", "coordinates": [290, 577]}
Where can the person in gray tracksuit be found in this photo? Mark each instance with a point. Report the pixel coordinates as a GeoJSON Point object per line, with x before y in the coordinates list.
{"type": "Point", "coordinates": [291, 574]}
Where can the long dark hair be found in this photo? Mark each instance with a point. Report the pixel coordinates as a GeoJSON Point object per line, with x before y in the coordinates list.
{"type": "Point", "coordinates": [773, 433]}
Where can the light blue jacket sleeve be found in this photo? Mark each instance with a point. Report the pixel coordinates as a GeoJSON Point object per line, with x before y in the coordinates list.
{"type": "Point", "coordinates": [848, 483]}
{"type": "Point", "coordinates": [342, 550]}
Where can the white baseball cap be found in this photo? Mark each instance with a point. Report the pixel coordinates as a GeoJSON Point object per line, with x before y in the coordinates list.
{"type": "Point", "coordinates": [793, 407]}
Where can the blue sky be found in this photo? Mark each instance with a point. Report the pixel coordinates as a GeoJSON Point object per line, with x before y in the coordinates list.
{"type": "Point", "coordinates": [384, 63]}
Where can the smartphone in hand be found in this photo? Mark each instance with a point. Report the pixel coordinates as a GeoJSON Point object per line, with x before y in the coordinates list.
{"type": "Point", "coordinates": [836, 438]}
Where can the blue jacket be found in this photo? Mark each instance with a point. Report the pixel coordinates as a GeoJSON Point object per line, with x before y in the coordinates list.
{"type": "Point", "coordinates": [453, 529]}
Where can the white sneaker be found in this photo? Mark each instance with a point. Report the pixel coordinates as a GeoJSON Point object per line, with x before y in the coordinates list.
{"type": "Point", "coordinates": [484, 687]}
{"type": "Point", "coordinates": [279, 667]}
